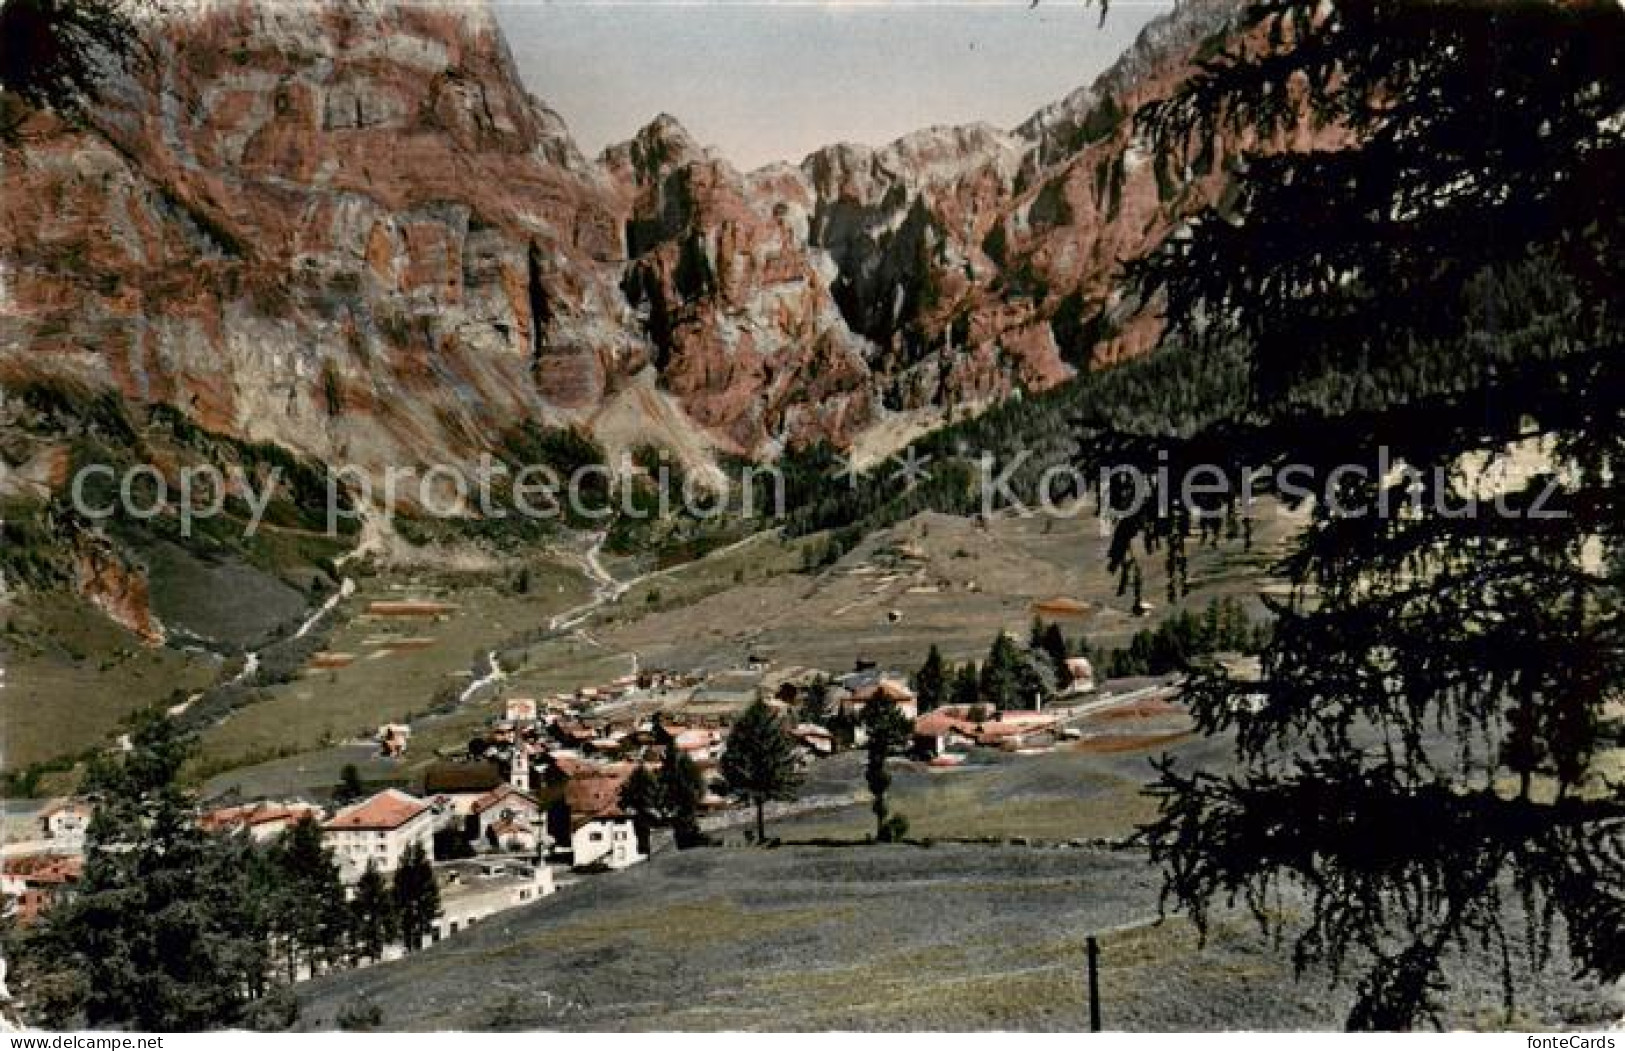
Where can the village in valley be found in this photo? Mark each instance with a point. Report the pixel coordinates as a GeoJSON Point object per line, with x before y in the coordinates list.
{"type": "Point", "coordinates": [548, 793]}
{"type": "Point", "coordinates": [443, 758]}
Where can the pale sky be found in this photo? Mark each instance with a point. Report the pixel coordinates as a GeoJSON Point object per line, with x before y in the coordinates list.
{"type": "Point", "coordinates": [767, 80]}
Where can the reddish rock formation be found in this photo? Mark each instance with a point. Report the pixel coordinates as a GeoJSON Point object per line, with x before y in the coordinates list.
{"type": "Point", "coordinates": [310, 198]}
{"type": "Point", "coordinates": [116, 588]}
{"type": "Point", "coordinates": [347, 228]}
{"type": "Point", "coordinates": [955, 265]}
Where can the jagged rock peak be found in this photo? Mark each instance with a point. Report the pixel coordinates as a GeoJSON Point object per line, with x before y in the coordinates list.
{"type": "Point", "coordinates": [659, 146]}
{"type": "Point", "coordinates": [1062, 126]}
{"type": "Point", "coordinates": [938, 154]}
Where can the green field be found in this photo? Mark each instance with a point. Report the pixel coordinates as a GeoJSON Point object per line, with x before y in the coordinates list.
{"type": "Point", "coordinates": [73, 676]}
{"type": "Point", "coordinates": [385, 684]}
{"type": "Point", "coordinates": [883, 938]}
{"type": "Point", "coordinates": [965, 584]}
{"type": "Point", "coordinates": [960, 584]}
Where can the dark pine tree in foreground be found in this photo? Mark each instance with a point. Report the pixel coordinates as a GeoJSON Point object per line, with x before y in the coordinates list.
{"type": "Point", "coordinates": [760, 762]}
{"type": "Point", "coordinates": [889, 733]}
{"type": "Point", "coordinates": [164, 932]}
{"type": "Point", "coordinates": [1439, 282]}
{"type": "Point", "coordinates": [307, 900]}
{"type": "Point", "coordinates": [417, 896]}
{"type": "Point", "coordinates": [374, 922]}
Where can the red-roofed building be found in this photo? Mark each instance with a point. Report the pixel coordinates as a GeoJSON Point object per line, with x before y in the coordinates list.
{"type": "Point", "coordinates": [601, 834]}
{"type": "Point", "coordinates": [943, 729]}
{"type": "Point", "coordinates": [262, 821]}
{"type": "Point", "coordinates": [951, 726]}
{"type": "Point", "coordinates": [594, 793]}
{"type": "Point", "coordinates": [379, 830]}
{"type": "Point", "coordinates": [35, 882]}
{"type": "Point", "coordinates": [863, 692]}
{"type": "Point", "coordinates": [506, 818]}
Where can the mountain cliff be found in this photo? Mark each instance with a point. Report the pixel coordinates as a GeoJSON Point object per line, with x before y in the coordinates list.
{"type": "Point", "coordinates": [343, 228]}
{"type": "Point", "coordinates": [957, 265]}
{"type": "Point", "coordinates": [347, 228]}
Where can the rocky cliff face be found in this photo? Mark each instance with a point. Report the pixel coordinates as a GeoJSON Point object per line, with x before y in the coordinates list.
{"type": "Point", "coordinates": [733, 296]}
{"type": "Point", "coordinates": [115, 587]}
{"type": "Point", "coordinates": [956, 265]}
{"type": "Point", "coordinates": [346, 228]}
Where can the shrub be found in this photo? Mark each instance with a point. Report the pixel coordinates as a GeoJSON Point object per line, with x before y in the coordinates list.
{"type": "Point", "coordinates": [361, 1015]}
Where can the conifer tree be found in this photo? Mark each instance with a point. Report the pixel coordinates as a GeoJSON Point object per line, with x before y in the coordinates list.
{"type": "Point", "coordinates": [1052, 643]}
{"type": "Point", "coordinates": [889, 732]}
{"type": "Point", "coordinates": [374, 922]}
{"type": "Point", "coordinates": [1001, 679]}
{"type": "Point", "coordinates": [967, 690]}
{"type": "Point", "coordinates": [759, 763]}
{"type": "Point", "coordinates": [642, 797]}
{"type": "Point", "coordinates": [162, 933]}
{"type": "Point", "coordinates": [308, 899]}
{"type": "Point", "coordinates": [682, 789]}
{"type": "Point", "coordinates": [350, 788]}
{"type": "Point", "coordinates": [417, 896]}
{"type": "Point", "coordinates": [931, 681]}
{"type": "Point", "coordinates": [815, 705]}
{"type": "Point", "coordinates": [1443, 285]}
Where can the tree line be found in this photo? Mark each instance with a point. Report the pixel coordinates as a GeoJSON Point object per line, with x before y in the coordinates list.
{"type": "Point", "coordinates": [1013, 675]}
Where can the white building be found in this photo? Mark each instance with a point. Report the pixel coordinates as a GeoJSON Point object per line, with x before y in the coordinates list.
{"type": "Point", "coordinates": [471, 891]}
{"type": "Point", "coordinates": [1080, 676]}
{"type": "Point", "coordinates": [608, 840]}
{"type": "Point", "coordinates": [520, 711]}
{"type": "Point", "coordinates": [378, 830]}
{"type": "Point", "coordinates": [506, 819]}
{"type": "Point", "coordinates": [66, 822]}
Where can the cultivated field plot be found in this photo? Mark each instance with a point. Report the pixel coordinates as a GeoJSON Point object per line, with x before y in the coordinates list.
{"type": "Point", "coordinates": [389, 666]}
{"type": "Point", "coordinates": [933, 579]}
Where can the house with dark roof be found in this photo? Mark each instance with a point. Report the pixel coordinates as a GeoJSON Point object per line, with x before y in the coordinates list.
{"type": "Point", "coordinates": [461, 784]}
